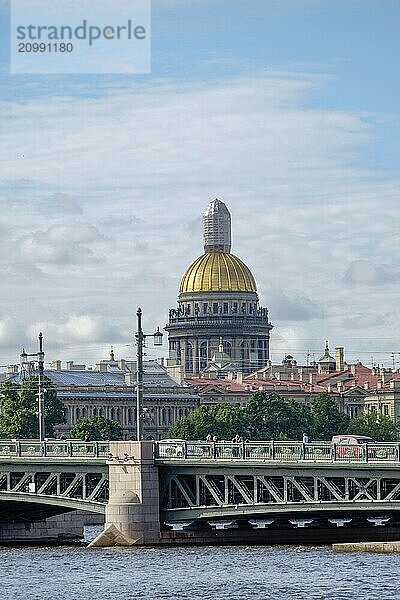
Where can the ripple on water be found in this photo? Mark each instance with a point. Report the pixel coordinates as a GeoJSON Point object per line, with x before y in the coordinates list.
{"type": "Point", "coordinates": [222, 573]}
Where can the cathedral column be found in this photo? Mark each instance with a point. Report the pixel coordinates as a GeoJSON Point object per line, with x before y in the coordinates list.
{"type": "Point", "coordinates": [196, 356]}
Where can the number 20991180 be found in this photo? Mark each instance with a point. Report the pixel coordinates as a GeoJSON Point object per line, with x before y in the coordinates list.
{"type": "Point", "coordinates": [45, 47]}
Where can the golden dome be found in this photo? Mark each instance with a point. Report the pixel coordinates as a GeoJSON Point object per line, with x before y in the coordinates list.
{"type": "Point", "coordinates": [217, 272]}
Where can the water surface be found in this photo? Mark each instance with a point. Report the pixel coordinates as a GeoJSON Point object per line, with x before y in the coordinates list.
{"type": "Point", "coordinates": [221, 573]}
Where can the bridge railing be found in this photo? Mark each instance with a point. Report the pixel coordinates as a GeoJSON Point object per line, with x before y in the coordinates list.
{"type": "Point", "coordinates": [53, 449]}
{"type": "Point", "coordinates": [278, 451]}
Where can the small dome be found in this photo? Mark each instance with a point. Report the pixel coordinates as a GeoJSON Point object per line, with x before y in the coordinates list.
{"type": "Point", "coordinates": [327, 358]}
{"type": "Point", "coordinates": [217, 272]}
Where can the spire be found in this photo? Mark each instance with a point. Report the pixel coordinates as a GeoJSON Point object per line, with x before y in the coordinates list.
{"type": "Point", "coordinates": [217, 227]}
{"type": "Point", "coordinates": [221, 346]}
{"type": "Point", "coordinates": [112, 358]}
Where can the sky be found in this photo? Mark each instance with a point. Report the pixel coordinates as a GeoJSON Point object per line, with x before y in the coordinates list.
{"type": "Point", "coordinates": [287, 110]}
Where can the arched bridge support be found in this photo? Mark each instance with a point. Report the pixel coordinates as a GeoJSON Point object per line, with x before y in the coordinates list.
{"type": "Point", "coordinates": [132, 512]}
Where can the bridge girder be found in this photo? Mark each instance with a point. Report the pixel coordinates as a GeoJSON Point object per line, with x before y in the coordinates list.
{"type": "Point", "coordinates": [214, 491]}
{"type": "Point", "coordinates": [60, 486]}
{"type": "Point", "coordinates": [54, 501]}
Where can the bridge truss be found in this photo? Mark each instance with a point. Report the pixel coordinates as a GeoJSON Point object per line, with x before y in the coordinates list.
{"type": "Point", "coordinates": [217, 491]}
{"type": "Point", "coordinates": [72, 486]}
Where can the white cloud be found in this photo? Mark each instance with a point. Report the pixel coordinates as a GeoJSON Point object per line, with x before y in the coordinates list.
{"type": "Point", "coordinates": [104, 205]}
{"type": "Point", "coordinates": [76, 328]}
{"type": "Point", "coordinates": [364, 273]}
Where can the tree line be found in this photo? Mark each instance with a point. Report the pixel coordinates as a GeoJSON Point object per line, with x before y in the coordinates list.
{"type": "Point", "coordinates": [271, 417]}
{"type": "Point", "coordinates": [19, 414]}
{"type": "Point", "coordinates": [265, 417]}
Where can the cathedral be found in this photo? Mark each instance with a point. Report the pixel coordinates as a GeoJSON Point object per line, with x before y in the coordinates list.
{"type": "Point", "coordinates": [218, 309]}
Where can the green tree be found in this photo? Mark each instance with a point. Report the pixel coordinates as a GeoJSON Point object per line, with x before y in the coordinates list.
{"type": "Point", "coordinates": [327, 420]}
{"type": "Point", "coordinates": [19, 409]}
{"type": "Point", "coordinates": [223, 420]}
{"type": "Point", "coordinates": [269, 416]}
{"type": "Point", "coordinates": [230, 419]}
{"type": "Point", "coordinates": [196, 426]}
{"type": "Point", "coordinates": [96, 428]}
{"type": "Point", "coordinates": [380, 427]}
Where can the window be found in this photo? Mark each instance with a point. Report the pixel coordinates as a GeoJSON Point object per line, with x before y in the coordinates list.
{"type": "Point", "coordinates": [215, 308]}
{"type": "Point", "coordinates": [227, 349]}
{"type": "Point", "coordinates": [203, 354]}
{"type": "Point", "coordinates": [205, 307]}
{"type": "Point", "coordinates": [234, 307]}
{"type": "Point", "coordinates": [226, 307]}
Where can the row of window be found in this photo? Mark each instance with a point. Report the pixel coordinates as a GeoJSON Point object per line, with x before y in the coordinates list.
{"type": "Point", "coordinates": [217, 308]}
{"type": "Point", "coordinates": [127, 416]}
{"type": "Point", "coordinates": [253, 350]}
{"type": "Point", "coordinates": [383, 409]}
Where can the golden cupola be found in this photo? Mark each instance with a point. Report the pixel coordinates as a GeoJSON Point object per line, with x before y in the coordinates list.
{"type": "Point", "coordinates": [217, 270]}
{"type": "Point", "coordinates": [218, 307]}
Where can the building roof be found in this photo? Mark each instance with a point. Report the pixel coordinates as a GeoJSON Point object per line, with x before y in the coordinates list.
{"type": "Point", "coordinates": [217, 272]}
{"type": "Point", "coordinates": [155, 375]}
{"type": "Point", "coordinates": [121, 395]}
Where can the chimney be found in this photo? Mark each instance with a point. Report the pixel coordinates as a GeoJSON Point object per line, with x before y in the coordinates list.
{"type": "Point", "coordinates": [387, 375]}
{"type": "Point", "coordinates": [329, 388]}
{"type": "Point", "coordinates": [239, 377]}
{"type": "Point", "coordinates": [131, 366]}
{"type": "Point", "coordinates": [70, 364]}
{"type": "Point", "coordinates": [130, 378]}
{"type": "Point", "coordinates": [339, 355]}
{"type": "Point", "coordinates": [122, 365]}
{"type": "Point", "coordinates": [12, 369]}
{"type": "Point", "coordinates": [56, 365]}
{"type": "Point", "coordinates": [379, 384]}
{"type": "Point", "coordinates": [366, 385]}
{"type": "Point", "coordinates": [311, 378]}
{"type": "Point", "coordinates": [339, 386]}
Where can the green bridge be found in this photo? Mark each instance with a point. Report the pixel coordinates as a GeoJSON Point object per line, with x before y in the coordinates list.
{"type": "Point", "coordinates": [152, 492]}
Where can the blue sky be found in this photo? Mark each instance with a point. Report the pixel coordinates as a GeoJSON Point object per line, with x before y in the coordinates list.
{"type": "Point", "coordinates": [286, 110]}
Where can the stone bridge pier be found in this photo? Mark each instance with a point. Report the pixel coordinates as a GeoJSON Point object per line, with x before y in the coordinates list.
{"type": "Point", "coordinates": [132, 512]}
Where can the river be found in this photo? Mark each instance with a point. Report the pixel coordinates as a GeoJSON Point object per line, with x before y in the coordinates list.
{"type": "Point", "coordinates": [197, 573]}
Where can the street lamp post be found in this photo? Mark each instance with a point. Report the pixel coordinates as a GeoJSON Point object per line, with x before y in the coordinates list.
{"type": "Point", "coordinates": [40, 359]}
{"type": "Point", "coordinates": [39, 356]}
{"type": "Point", "coordinates": [140, 338]}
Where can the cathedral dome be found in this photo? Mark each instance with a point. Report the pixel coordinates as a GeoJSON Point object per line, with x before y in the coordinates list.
{"type": "Point", "coordinates": [217, 272]}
